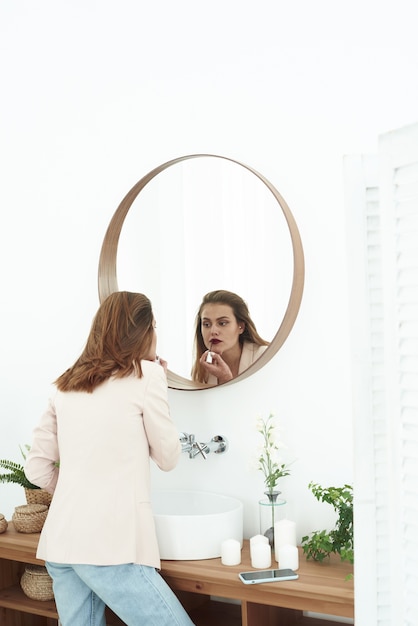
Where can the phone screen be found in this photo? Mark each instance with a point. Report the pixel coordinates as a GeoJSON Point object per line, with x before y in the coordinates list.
{"type": "Point", "coordinates": [268, 575]}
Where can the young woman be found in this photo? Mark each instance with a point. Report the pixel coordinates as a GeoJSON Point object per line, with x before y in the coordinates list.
{"type": "Point", "coordinates": [226, 340]}
{"type": "Point", "coordinates": [108, 417]}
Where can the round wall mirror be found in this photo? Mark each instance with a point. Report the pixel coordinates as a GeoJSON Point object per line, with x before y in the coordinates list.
{"type": "Point", "coordinates": [199, 223]}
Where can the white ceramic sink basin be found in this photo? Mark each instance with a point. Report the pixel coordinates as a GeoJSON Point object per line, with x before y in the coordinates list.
{"type": "Point", "coordinates": [192, 525]}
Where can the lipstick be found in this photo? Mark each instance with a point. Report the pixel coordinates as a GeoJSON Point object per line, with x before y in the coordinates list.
{"type": "Point", "coordinates": [209, 354]}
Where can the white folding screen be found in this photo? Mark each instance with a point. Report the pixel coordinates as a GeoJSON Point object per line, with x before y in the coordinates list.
{"type": "Point", "coordinates": [366, 315]}
{"type": "Point", "coordinates": [398, 152]}
{"type": "Point", "coordinates": [382, 227]}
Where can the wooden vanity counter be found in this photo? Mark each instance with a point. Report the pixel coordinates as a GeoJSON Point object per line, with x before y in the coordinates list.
{"type": "Point", "coordinates": [320, 588]}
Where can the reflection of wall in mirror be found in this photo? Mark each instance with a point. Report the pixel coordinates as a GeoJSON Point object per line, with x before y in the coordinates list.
{"type": "Point", "coordinates": [202, 225]}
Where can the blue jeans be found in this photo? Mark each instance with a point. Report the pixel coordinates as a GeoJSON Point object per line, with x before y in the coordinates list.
{"type": "Point", "coordinates": [136, 593]}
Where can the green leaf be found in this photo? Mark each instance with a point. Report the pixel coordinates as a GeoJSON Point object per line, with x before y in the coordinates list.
{"type": "Point", "coordinates": [320, 544]}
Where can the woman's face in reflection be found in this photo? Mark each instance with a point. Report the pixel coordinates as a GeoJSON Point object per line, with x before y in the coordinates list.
{"type": "Point", "coordinates": [219, 327]}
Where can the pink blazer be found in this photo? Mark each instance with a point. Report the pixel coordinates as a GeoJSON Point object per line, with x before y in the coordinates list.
{"type": "Point", "coordinates": [101, 512]}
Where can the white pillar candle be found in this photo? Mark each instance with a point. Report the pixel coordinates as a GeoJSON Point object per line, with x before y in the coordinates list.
{"type": "Point", "coordinates": [284, 534]}
{"type": "Point", "coordinates": [257, 539]}
{"type": "Point", "coordinates": [260, 555]}
{"type": "Point", "coordinates": [288, 557]}
{"type": "Point", "coordinates": [230, 552]}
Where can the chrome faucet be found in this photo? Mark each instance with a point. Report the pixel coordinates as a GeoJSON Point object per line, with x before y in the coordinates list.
{"type": "Point", "coordinates": [217, 445]}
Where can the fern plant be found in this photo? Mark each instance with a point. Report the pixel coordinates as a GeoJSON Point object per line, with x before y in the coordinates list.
{"type": "Point", "coordinates": [16, 472]}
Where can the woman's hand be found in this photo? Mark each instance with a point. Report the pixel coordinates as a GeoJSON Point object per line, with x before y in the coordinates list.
{"type": "Point", "coordinates": [162, 362]}
{"type": "Point", "coordinates": [217, 368]}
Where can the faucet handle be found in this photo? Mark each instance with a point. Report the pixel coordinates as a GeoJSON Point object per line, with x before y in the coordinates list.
{"type": "Point", "coordinates": [184, 437]}
{"type": "Point", "coordinates": [201, 448]}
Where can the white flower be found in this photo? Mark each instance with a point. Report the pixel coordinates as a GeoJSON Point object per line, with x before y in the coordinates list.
{"type": "Point", "coordinates": [269, 461]}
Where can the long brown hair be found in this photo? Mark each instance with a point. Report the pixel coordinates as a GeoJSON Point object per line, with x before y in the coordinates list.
{"type": "Point", "coordinates": [120, 336]}
{"type": "Point", "coordinates": [241, 313]}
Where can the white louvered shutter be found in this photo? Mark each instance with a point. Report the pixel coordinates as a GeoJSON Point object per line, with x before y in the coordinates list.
{"type": "Point", "coordinates": [366, 314]}
{"type": "Point", "coordinates": [382, 226]}
{"type": "Point", "coordinates": [398, 155]}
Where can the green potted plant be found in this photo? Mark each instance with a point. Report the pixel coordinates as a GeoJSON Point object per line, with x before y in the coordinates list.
{"type": "Point", "coordinates": [320, 544]}
{"type": "Point", "coordinates": [16, 474]}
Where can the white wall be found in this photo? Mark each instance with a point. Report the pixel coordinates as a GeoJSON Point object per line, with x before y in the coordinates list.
{"type": "Point", "coordinates": [96, 94]}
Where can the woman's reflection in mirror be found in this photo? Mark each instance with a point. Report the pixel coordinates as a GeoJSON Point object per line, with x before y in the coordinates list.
{"type": "Point", "coordinates": [226, 340]}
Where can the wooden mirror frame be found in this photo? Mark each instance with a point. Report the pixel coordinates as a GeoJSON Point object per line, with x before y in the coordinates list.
{"type": "Point", "coordinates": [107, 274]}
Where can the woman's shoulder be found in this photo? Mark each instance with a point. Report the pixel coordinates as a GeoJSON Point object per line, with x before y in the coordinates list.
{"type": "Point", "coordinates": [152, 368]}
{"type": "Point", "coordinates": [250, 353]}
{"type": "Point", "coordinates": [254, 349]}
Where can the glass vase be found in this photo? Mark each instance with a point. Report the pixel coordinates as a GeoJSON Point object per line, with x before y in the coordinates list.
{"type": "Point", "coordinates": [271, 510]}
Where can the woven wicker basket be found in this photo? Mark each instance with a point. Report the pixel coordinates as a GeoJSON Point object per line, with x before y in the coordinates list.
{"type": "Point", "coordinates": [29, 518]}
{"type": "Point", "coordinates": [3, 524]}
{"type": "Point", "coordinates": [38, 496]}
{"type": "Point", "coordinates": [37, 583]}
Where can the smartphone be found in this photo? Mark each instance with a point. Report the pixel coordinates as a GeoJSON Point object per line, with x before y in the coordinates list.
{"type": "Point", "coordinates": [267, 576]}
